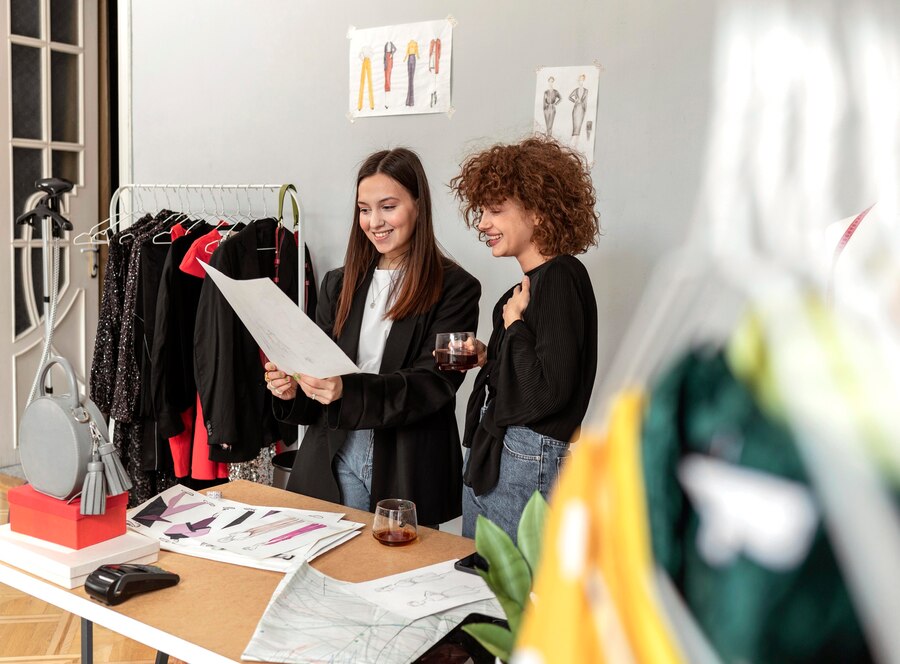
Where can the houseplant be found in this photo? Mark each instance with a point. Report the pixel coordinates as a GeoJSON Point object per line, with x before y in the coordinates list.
{"type": "Point", "coordinates": [510, 573]}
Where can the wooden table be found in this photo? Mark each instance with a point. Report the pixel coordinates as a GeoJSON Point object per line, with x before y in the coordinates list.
{"type": "Point", "coordinates": [211, 614]}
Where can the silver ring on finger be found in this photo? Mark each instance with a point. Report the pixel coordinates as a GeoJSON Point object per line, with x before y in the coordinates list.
{"type": "Point", "coordinates": [313, 396]}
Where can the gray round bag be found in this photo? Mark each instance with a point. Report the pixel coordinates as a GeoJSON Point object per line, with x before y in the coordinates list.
{"type": "Point", "coordinates": [55, 442]}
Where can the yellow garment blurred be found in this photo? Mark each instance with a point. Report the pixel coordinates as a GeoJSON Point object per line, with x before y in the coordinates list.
{"type": "Point", "coordinates": [594, 591]}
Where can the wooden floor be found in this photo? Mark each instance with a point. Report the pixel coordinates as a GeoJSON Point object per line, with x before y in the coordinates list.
{"type": "Point", "coordinates": [33, 632]}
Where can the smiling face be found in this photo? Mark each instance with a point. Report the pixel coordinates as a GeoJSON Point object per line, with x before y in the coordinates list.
{"type": "Point", "coordinates": [508, 229]}
{"type": "Point", "coordinates": [387, 215]}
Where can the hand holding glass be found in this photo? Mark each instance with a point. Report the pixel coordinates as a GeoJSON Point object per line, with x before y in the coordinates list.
{"type": "Point", "coordinates": [455, 351]}
{"type": "Point", "coordinates": [395, 522]}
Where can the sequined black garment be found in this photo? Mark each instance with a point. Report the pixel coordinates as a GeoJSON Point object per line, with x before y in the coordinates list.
{"type": "Point", "coordinates": [126, 396]}
{"type": "Point", "coordinates": [106, 344]}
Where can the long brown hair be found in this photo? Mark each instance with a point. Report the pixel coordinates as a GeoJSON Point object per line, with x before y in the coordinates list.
{"type": "Point", "coordinates": [422, 273]}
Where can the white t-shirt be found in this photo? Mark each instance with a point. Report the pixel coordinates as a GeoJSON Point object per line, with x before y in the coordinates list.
{"type": "Point", "coordinates": [375, 328]}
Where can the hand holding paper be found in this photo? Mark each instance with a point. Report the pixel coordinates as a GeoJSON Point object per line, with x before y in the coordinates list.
{"type": "Point", "coordinates": [293, 342]}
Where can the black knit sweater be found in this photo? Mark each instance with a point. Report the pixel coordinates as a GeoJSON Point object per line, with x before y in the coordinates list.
{"type": "Point", "coordinates": [540, 370]}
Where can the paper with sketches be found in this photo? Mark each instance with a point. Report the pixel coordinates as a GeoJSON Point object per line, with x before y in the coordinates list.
{"type": "Point", "coordinates": [287, 336]}
{"type": "Point", "coordinates": [565, 106]}
{"type": "Point", "coordinates": [400, 69]}
{"type": "Point", "coordinates": [424, 591]}
{"type": "Point", "coordinates": [310, 515]}
{"type": "Point", "coordinates": [264, 537]}
{"type": "Point", "coordinates": [314, 618]}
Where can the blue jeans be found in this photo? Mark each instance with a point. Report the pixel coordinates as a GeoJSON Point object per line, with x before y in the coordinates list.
{"type": "Point", "coordinates": [529, 462]}
{"type": "Point", "coordinates": [353, 469]}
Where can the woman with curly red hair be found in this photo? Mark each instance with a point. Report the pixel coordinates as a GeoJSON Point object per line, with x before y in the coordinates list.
{"type": "Point", "coordinates": [534, 201]}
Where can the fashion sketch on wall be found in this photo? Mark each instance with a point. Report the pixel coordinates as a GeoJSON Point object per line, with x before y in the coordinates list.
{"type": "Point", "coordinates": [565, 106]}
{"type": "Point", "coordinates": [414, 72]}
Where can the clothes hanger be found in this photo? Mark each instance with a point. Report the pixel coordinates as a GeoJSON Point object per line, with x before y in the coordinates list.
{"type": "Point", "coordinates": [165, 237]}
{"type": "Point", "coordinates": [140, 209]}
{"type": "Point", "coordinates": [100, 233]}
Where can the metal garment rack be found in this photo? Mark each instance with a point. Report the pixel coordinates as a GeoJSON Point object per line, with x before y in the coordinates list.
{"type": "Point", "coordinates": [130, 199]}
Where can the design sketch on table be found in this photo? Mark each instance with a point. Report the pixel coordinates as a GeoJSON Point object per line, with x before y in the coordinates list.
{"type": "Point", "coordinates": [412, 52]}
{"type": "Point", "coordinates": [440, 596]}
{"type": "Point", "coordinates": [238, 521]}
{"type": "Point", "coordinates": [434, 66]}
{"type": "Point", "coordinates": [579, 109]}
{"type": "Point", "coordinates": [286, 536]}
{"type": "Point", "coordinates": [196, 529]}
{"type": "Point", "coordinates": [551, 100]}
{"type": "Point", "coordinates": [411, 581]}
{"type": "Point", "coordinates": [389, 50]}
{"type": "Point", "coordinates": [365, 77]}
{"type": "Point", "coordinates": [253, 531]}
{"type": "Point", "coordinates": [313, 612]}
{"type": "Point", "coordinates": [158, 510]}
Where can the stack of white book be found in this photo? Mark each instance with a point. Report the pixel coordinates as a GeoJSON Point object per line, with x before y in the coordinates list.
{"type": "Point", "coordinates": [272, 538]}
{"type": "Point", "coordinates": [70, 567]}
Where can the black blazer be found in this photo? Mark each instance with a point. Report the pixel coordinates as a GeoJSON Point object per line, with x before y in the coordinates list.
{"type": "Point", "coordinates": [409, 404]}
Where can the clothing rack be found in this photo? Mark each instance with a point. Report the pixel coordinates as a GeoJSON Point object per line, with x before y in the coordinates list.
{"type": "Point", "coordinates": [191, 192]}
{"type": "Point", "coordinates": [202, 199]}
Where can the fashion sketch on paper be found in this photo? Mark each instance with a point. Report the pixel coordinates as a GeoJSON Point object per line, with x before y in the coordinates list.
{"type": "Point", "coordinates": [551, 101]}
{"type": "Point", "coordinates": [261, 529]}
{"type": "Point", "coordinates": [412, 53]}
{"type": "Point", "coordinates": [286, 536]}
{"type": "Point", "coordinates": [579, 99]}
{"type": "Point", "coordinates": [389, 50]}
{"type": "Point", "coordinates": [365, 76]}
{"type": "Point", "coordinates": [158, 510]}
{"type": "Point", "coordinates": [434, 66]}
{"type": "Point", "coordinates": [196, 529]}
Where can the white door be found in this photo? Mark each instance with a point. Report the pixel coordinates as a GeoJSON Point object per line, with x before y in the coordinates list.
{"type": "Point", "coordinates": [48, 118]}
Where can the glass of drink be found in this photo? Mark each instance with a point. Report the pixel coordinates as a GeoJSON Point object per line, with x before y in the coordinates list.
{"type": "Point", "coordinates": [395, 522]}
{"type": "Point", "coordinates": [455, 351]}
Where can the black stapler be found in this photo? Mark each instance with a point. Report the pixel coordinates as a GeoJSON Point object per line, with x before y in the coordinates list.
{"type": "Point", "coordinates": [113, 584]}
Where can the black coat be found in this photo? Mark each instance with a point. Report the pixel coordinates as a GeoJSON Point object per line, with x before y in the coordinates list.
{"type": "Point", "coordinates": [227, 367]}
{"type": "Point", "coordinates": [410, 404]}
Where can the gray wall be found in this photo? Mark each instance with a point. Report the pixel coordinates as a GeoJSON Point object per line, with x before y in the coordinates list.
{"type": "Point", "coordinates": [237, 91]}
{"type": "Point", "coordinates": [228, 91]}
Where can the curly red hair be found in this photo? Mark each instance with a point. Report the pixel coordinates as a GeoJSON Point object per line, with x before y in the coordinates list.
{"type": "Point", "coordinates": [546, 178]}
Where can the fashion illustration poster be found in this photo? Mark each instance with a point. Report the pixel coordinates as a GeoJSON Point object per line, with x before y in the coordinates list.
{"type": "Point", "coordinates": [400, 69]}
{"type": "Point", "coordinates": [565, 106]}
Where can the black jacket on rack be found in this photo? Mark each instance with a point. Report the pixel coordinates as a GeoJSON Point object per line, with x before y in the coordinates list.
{"type": "Point", "coordinates": [410, 404]}
{"type": "Point", "coordinates": [172, 385]}
{"type": "Point", "coordinates": [237, 407]}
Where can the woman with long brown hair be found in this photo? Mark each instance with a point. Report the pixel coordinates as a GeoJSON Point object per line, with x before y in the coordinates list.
{"type": "Point", "coordinates": [389, 431]}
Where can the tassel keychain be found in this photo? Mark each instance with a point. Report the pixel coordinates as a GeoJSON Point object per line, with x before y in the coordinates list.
{"type": "Point", "coordinates": [93, 493]}
{"type": "Point", "coordinates": [117, 480]}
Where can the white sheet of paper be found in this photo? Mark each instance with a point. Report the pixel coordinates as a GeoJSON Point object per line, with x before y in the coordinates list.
{"type": "Point", "coordinates": [313, 618]}
{"type": "Point", "coordinates": [424, 591]}
{"type": "Point", "coordinates": [288, 337]}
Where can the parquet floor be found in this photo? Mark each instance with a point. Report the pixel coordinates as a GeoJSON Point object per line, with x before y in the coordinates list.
{"type": "Point", "coordinates": [32, 632]}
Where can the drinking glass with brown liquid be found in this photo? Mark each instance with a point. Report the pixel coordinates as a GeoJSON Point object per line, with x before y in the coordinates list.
{"type": "Point", "coordinates": [455, 351]}
{"type": "Point", "coordinates": [395, 522]}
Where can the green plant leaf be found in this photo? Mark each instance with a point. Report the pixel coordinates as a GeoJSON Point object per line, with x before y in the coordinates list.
{"type": "Point", "coordinates": [508, 573]}
{"type": "Point", "coordinates": [497, 640]}
{"type": "Point", "coordinates": [512, 610]}
{"type": "Point", "coordinates": [531, 529]}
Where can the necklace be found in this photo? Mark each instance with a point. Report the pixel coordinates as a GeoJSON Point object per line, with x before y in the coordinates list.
{"type": "Point", "coordinates": [377, 294]}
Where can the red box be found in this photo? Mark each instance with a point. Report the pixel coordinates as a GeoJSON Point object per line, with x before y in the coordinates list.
{"type": "Point", "coordinates": [53, 520]}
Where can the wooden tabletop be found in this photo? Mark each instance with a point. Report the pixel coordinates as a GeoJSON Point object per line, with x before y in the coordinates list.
{"type": "Point", "coordinates": [216, 606]}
